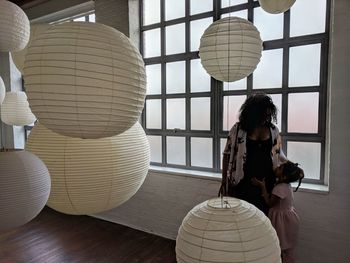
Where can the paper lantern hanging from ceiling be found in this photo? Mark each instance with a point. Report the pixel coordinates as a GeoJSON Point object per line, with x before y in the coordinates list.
{"type": "Point", "coordinates": [14, 27]}
{"type": "Point", "coordinates": [276, 6]}
{"type": "Point", "coordinates": [18, 57]}
{"type": "Point", "coordinates": [237, 231]}
{"type": "Point", "coordinates": [2, 91]}
{"type": "Point", "coordinates": [85, 80]}
{"type": "Point", "coordinates": [24, 188]}
{"type": "Point", "coordinates": [15, 109]}
{"type": "Point", "coordinates": [92, 175]}
{"type": "Point", "coordinates": [230, 49]}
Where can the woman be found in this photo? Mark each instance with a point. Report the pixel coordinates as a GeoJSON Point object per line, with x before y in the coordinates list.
{"type": "Point", "coordinates": [253, 149]}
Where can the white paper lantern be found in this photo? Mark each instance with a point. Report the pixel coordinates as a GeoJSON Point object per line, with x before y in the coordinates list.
{"type": "Point", "coordinates": [92, 175]}
{"type": "Point", "coordinates": [213, 232]}
{"type": "Point", "coordinates": [24, 188]}
{"type": "Point", "coordinates": [230, 49]}
{"type": "Point", "coordinates": [14, 27]}
{"type": "Point", "coordinates": [85, 80]}
{"type": "Point", "coordinates": [2, 91]}
{"type": "Point", "coordinates": [276, 6]}
{"type": "Point", "coordinates": [15, 109]}
{"type": "Point", "coordinates": [18, 57]}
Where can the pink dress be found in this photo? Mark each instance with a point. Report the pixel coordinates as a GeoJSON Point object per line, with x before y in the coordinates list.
{"type": "Point", "coordinates": [284, 217]}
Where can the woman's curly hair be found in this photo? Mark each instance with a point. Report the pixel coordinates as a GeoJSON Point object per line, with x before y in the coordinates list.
{"type": "Point", "coordinates": [257, 110]}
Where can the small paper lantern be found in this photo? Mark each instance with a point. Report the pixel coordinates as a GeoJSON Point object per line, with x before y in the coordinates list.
{"type": "Point", "coordinates": [276, 6]}
{"type": "Point", "coordinates": [15, 109]}
{"type": "Point", "coordinates": [14, 27]}
{"type": "Point", "coordinates": [230, 49]}
{"type": "Point", "coordinates": [2, 91]}
{"type": "Point", "coordinates": [24, 188]}
{"type": "Point", "coordinates": [85, 80]}
{"type": "Point", "coordinates": [234, 231]}
{"type": "Point", "coordinates": [92, 175]}
{"type": "Point", "coordinates": [18, 57]}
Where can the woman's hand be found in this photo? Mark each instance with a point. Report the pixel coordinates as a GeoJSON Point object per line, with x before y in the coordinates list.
{"type": "Point", "coordinates": [260, 184]}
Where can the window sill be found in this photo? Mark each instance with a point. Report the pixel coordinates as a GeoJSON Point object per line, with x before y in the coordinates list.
{"type": "Point", "coordinates": [304, 187]}
{"type": "Point", "coordinates": [186, 173]}
{"type": "Point", "coordinates": [312, 188]}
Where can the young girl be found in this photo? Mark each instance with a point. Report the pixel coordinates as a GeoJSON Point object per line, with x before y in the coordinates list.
{"type": "Point", "coordinates": [282, 213]}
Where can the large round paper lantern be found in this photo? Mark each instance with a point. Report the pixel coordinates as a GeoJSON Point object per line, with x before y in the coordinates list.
{"type": "Point", "coordinates": [230, 49]}
{"type": "Point", "coordinates": [2, 91]}
{"type": "Point", "coordinates": [276, 6]}
{"type": "Point", "coordinates": [18, 57]}
{"type": "Point", "coordinates": [15, 109]}
{"type": "Point", "coordinates": [24, 188]}
{"type": "Point", "coordinates": [85, 80]}
{"type": "Point", "coordinates": [234, 231]}
{"type": "Point", "coordinates": [14, 27]}
{"type": "Point", "coordinates": [92, 175]}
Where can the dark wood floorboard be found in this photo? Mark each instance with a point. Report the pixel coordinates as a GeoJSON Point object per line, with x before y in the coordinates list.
{"type": "Point", "coordinates": [53, 237]}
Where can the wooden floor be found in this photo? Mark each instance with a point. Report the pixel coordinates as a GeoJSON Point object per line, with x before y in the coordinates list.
{"type": "Point", "coordinates": [53, 237]}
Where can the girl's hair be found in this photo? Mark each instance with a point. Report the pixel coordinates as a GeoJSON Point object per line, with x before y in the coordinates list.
{"type": "Point", "coordinates": [257, 109]}
{"type": "Point", "coordinates": [292, 173]}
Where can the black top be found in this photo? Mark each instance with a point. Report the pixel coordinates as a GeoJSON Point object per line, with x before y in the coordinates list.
{"type": "Point", "coordinates": [258, 164]}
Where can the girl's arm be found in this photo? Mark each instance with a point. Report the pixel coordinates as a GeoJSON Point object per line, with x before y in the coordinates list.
{"type": "Point", "coordinates": [270, 199]}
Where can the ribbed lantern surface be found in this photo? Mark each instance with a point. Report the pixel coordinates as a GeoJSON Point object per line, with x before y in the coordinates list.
{"type": "Point", "coordinates": [230, 49]}
{"type": "Point", "coordinates": [2, 90]}
{"type": "Point", "coordinates": [276, 6]}
{"type": "Point", "coordinates": [92, 175]}
{"type": "Point", "coordinates": [15, 109]}
{"type": "Point", "coordinates": [24, 188]}
{"type": "Point", "coordinates": [237, 231]}
{"type": "Point", "coordinates": [85, 80]}
{"type": "Point", "coordinates": [18, 57]}
{"type": "Point", "coordinates": [14, 27]}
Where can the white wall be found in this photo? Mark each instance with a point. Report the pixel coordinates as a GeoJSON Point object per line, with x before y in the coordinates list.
{"type": "Point", "coordinates": [164, 199]}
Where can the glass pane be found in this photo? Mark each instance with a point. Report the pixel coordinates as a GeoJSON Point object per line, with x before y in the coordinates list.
{"type": "Point", "coordinates": [277, 100]}
{"type": "Point", "coordinates": [301, 20]}
{"type": "Point", "coordinates": [155, 143]}
{"type": "Point", "coordinates": [200, 79]}
{"type": "Point", "coordinates": [242, 14]}
{"type": "Point", "coordinates": [308, 155]}
{"type": "Point", "coordinates": [227, 3]}
{"type": "Point", "coordinates": [304, 65]}
{"type": "Point", "coordinates": [151, 11]}
{"type": "Point", "coordinates": [303, 112]}
{"type": "Point", "coordinates": [200, 113]}
{"type": "Point", "coordinates": [270, 26]}
{"type": "Point", "coordinates": [176, 150]}
{"type": "Point", "coordinates": [175, 114]}
{"type": "Point", "coordinates": [197, 29]}
{"type": "Point", "coordinates": [201, 6]}
{"type": "Point", "coordinates": [175, 39]}
{"type": "Point", "coordinates": [153, 73]}
{"type": "Point", "coordinates": [202, 152]}
{"type": "Point", "coordinates": [92, 18]}
{"type": "Point", "coordinates": [268, 73]}
{"type": "Point", "coordinates": [175, 77]}
{"type": "Point", "coordinates": [236, 85]}
{"type": "Point", "coordinates": [174, 9]}
{"type": "Point", "coordinates": [153, 114]}
{"type": "Point", "coordinates": [79, 19]}
{"type": "Point", "coordinates": [232, 104]}
{"type": "Point", "coordinates": [151, 47]}
{"type": "Point", "coordinates": [222, 148]}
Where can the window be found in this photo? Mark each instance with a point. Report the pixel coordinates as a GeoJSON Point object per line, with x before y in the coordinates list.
{"type": "Point", "coordinates": [188, 114]}
{"type": "Point", "coordinates": [85, 17]}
